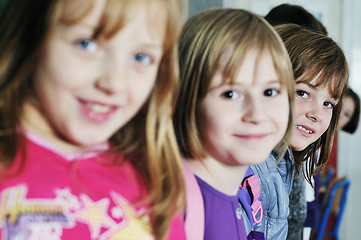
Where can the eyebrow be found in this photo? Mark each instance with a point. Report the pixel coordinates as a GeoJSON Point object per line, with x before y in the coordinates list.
{"type": "Point", "coordinates": [274, 81]}
{"type": "Point", "coordinates": [311, 85]}
{"type": "Point", "coordinates": [151, 44]}
{"type": "Point", "coordinates": [84, 26]}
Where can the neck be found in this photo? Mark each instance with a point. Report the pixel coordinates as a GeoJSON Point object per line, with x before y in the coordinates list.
{"type": "Point", "coordinates": [34, 121]}
{"type": "Point", "coordinates": [224, 178]}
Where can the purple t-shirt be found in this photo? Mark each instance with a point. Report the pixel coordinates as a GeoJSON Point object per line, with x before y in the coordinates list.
{"type": "Point", "coordinates": [223, 214]}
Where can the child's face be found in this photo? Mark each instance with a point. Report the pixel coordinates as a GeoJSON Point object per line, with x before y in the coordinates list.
{"type": "Point", "coordinates": [241, 123]}
{"type": "Point", "coordinates": [89, 88]}
{"type": "Point", "coordinates": [313, 113]}
{"type": "Point", "coordinates": [347, 111]}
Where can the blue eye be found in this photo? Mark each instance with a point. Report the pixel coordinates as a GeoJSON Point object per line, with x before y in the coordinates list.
{"type": "Point", "coordinates": [230, 94]}
{"type": "Point", "coordinates": [87, 45]}
{"type": "Point", "coordinates": [143, 58]}
{"type": "Point", "coordinates": [271, 92]}
{"type": "Point", "coordinates": [302, 94]}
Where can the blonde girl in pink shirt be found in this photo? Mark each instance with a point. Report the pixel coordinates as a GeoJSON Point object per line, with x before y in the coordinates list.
{"type": "Point", "coordinates": [87, 89]}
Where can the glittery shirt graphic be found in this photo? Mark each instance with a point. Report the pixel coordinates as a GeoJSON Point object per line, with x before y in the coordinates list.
{"type": "Point", "coordinates": [53, 197]}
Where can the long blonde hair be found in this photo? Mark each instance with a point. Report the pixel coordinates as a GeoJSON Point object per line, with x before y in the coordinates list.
{"type": "Point", "coordinates": [148, 139]}
{"type": "Point", "coordinates": [204, 40]}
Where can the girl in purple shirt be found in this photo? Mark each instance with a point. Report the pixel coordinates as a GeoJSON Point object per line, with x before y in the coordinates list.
{"type": "Point", "coordinates": [234, 108]}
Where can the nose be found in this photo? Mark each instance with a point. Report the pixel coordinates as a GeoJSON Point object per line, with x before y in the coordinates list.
{"type": "Point", "coordinates": [315, 112]}
{"type": "Point", "coordinates": [113, 76]}
{"type": "Point", "coordinates": [254, 110]}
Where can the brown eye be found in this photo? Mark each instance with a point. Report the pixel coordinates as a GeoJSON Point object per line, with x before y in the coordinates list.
{"type": "Point", "coordinates": [271, 92]}
{"type": "Point", "coordinates": [302, 94]}
{"type": "Point", "coordinates": [329, 105]}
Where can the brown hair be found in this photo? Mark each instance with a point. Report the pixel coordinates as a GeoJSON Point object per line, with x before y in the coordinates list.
{"type": "Point", "coordinates": [289, 13]}
{"type": "Point", "coordinates": [352, 124]}
{"type": "Point", "coordinates": [316, 55]}
{"type": "Point", "coordinates": [148, 139]}
{"type": "Point", "coordinates": [205, 39]}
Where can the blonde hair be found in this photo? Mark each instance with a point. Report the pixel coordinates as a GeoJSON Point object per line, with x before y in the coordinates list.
{"type": "Point", "coordinates": [148, 139]}
{"type": "Point", "coordinates": [316, 55]}
{"type": "Point", "coordinates": [203, 43]}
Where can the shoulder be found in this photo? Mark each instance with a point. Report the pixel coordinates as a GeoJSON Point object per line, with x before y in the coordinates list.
{"type": "Point", "coordinates": [177, 229]}
{"type": "Point", "coordinates": [194, 212]}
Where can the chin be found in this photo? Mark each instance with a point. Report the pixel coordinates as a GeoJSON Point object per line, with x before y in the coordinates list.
{"type": "Point", "coordinates": [298, 148]}
{"type": "Point", "coordinates": [89, 140]}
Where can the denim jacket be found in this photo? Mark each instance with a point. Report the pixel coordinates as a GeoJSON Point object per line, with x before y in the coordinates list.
{"type": "Point", "coordinates": [276, 182]}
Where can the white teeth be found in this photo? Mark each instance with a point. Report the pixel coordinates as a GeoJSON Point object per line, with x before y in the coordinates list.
{"type": "Point", "coordinates": [98, 108]}
{"type": "Point", "coordinates": [304, 129]}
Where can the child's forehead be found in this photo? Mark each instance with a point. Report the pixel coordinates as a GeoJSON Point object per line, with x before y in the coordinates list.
{"type": "Point", "coordinates": [74, 11]}
{"type": "Point", "coordinates": [260, 64]}
{"type": "Point", "coordinates": [108, 17]}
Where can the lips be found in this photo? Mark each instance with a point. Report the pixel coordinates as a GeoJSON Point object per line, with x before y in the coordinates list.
{"type": "Point", "coordinates": [251, 137]}
{"type": "Point", "coordinates": [98, 108]}
{"type": "Point", "coordinates": [97, 112]}
{"type": "Point", "coordinates": [305, 130]}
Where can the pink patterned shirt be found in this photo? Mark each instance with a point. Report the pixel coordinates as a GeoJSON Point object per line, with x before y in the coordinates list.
{"type": "Point", "coordinates": [48, 195]}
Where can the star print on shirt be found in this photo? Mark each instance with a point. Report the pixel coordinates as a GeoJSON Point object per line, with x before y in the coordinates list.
{"type": "Point", "coordinates": [95, 215]}
{"type": "Point", "coordinates": [67, 199]}
{"type": "Point", "coordinates": [134, 226]}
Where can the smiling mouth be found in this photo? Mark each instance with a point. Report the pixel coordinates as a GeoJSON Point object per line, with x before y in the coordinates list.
{"type": "Point", "coordinates": [97, 108]}
{"type": "Point", "coordinates": [303, 129]}
{"type": "Point", "coordinates": [251, 136]}
{"type": "Point", "coordinates": [97, 112]}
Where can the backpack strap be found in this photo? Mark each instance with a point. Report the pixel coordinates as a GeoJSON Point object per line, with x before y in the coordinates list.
{"type": "Point", "coordinates": [194, 215]}
{"type": "Point", "coordinates": [253, 187]}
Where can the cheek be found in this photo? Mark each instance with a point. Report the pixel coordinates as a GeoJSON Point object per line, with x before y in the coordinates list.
{"type": "Point", "coordinates": [299, 109]}
{"type": "Point", "coordinates": [211, 121]}
{"type": "Point", "coordinates": [326, 123]}
{"type": "Point", "coordinates": [139, 88]}
{"type": "Point", "coordinates": [342, 118]}
{"type": "Point", "coordinates": [55, 78]}
{"type": "Point", "coordinates": [279, 111]}
{"type": "Point", "coordinates": [281, 117]}
{"type": "Point", "coordinates": [204, 120]}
